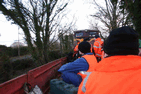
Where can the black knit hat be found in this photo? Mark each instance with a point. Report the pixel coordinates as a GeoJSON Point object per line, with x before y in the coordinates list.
{"type": "Point", "coordinates": [84, 47]}
{"type": "Point", "coordinates": [122, 41]}
{"type": "Point", "coordinates": [96, 36]}
{"type": "Point", "coordinates": [86, 39]}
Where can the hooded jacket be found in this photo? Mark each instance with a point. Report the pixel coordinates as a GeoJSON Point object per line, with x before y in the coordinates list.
{"type": "Point", "coordinates": [114, 75]}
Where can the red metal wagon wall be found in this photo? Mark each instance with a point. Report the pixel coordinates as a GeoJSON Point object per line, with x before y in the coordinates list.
{"type": "Point", "coordinates": [39, 76]}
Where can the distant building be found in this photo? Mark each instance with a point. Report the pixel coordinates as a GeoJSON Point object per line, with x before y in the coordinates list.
{"type": "Point", "coordinates": [17, 44]}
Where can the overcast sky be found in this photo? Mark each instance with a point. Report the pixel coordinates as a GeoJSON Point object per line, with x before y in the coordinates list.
{"type": "Point", "coordinates": [80, 8]}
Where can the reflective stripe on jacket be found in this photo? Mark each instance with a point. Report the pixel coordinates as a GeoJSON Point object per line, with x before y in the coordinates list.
{"type": "Point", "coordinates": [98, 47]}
{"type": "Point", "coordinates": [91, 60]}
{"type": "Point", "coordinates": [114, 75]}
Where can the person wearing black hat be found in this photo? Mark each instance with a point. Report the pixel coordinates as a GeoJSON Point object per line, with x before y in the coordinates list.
{"type": "Point", "coordinates": [120, 71]}
{"type": "Point", "coordinates": [88, 39]}
{"type": "Point", "coordinates": [97, 47]}
{"type": "Point", "coordinates": [74, 72]}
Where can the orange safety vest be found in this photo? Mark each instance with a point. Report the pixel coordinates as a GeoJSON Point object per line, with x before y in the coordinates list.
{"type": "Point", "coordinates": [97, 46]}
{"type": "Point", "coordinates": [114, 75]}
{"type": "Point", "coordinates": [75, 50]}
{"type": "Point", "coordinates": [91, 49]}
{"type": "Point", "coordinates": [102, 55]}
{"type": "Point", "coordinates": [91, 60]}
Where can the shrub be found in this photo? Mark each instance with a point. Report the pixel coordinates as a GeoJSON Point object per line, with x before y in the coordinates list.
{"type": "Point", "coordinates": [6, 69]}
{"type": "Point", "coordinates": [53, 55]}
{"type": "Point", "coordinates": [23, 64]}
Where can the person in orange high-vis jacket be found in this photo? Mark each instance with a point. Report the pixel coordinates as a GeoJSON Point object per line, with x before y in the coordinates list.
{"type": "Point", "coordinates": [74, 72]}
{"type": "Point", "coordinates": [76, 49]}
{"type": "Point", "coordinates": [88, 39]}
{"type": "Point", "coordinates": [120, 71]}
{"type": "Point", "coordinates": [91, 59]}
{"type": "Point", "coordinates": [102, 55]}
{"type": "Point", "coordinates": [97, 47]}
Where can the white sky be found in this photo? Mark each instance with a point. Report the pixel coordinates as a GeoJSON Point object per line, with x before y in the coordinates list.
{"type": "Point", "coordinates": [81, 9]}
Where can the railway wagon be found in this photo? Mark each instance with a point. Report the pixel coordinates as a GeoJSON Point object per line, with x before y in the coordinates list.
{"type": "Point", "coordinates": [46, 76]}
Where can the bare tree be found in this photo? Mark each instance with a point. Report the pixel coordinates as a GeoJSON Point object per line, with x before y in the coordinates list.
{"type": "Point", "coordinates": [134, 9]}
{"type": "Point", "coordinates": [66, 41]}
{"type": "Point", "coordinates": [111, 15]}
{"type": "Point", "coordinates": [94, 24]}
{"type": "Point", "coordinates": [39, 20]}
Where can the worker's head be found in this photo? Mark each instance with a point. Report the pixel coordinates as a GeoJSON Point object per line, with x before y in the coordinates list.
{"type": "Point", "coordinates": [86, 39]}
{"type": "Point", "coordinates": [97, 36]}
{"type": "Point", "coordinates": [122, 41]}
{"type": "Point", "coordinates": [84, 47]}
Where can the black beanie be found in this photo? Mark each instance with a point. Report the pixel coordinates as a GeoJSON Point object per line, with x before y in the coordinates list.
{"type": "Point", "coordinates": [84, 47]}
{"type": "Point", "coordinates": [122, 41]}
{"type": "Point", "coordinates": [86, 39]}
{"type": "Point", "coordinates": [96, 36]}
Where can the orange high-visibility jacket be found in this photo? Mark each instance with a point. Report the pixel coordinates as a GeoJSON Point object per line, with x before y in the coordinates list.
{"type": "Point", "coordinates": [114, 75]}
{"type": "Point", "coordinates": [91, 60]}
{"type": "Point", "coordinates": [102, 55]}
{"type": "Point", "coordinates": [91, 49]}
{"type": "Point", "coordinates": [75, 50]}
{"type": "Point", "coordinates": [97, 46]}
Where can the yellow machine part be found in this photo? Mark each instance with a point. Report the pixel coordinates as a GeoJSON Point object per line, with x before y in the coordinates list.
{"type": "Point", "coordinates": [80, 40]}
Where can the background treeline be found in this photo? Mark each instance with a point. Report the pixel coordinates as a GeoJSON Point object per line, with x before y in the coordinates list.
{"type": "Point", "coordinates": [13, 64]}
{"type": "Point", "coordinates": [12, 52]}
